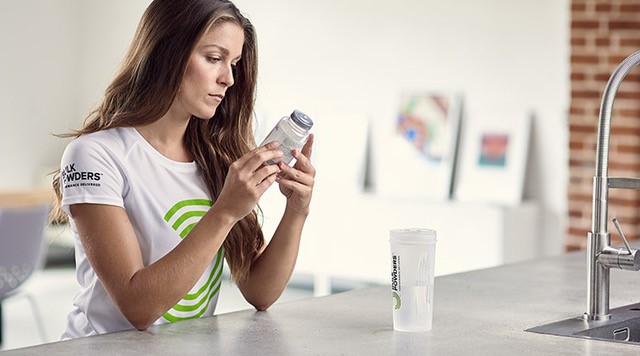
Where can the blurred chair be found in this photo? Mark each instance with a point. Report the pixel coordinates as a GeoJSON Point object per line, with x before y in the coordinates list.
{"type": "Point", "coordinates": [22, 251]}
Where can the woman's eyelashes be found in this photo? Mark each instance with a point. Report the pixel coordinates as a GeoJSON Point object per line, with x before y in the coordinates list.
{"type": "Point", "coordinates": [214, 59]}
{"type": "Point", "coordinates": [217, 59]}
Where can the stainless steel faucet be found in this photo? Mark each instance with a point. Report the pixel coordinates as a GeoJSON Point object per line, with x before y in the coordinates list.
{"type": "Point", "coordinates": [601, 256]}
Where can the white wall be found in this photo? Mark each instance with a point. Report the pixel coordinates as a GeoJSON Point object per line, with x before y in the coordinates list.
{"type": "Point", "coordinates": [105, 30]}
{"type": "Point", "coordinates": [357, 56]}
{"type": "Point", "coordinates": [56, 59]}
{"type": "Point", "coordinates": [38, 55]}
{"type": "Point", "coordinates": [320, 56]}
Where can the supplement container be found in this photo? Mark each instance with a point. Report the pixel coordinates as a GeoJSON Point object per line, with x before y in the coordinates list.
{"type": "Point", "coordinates": [292, 132]}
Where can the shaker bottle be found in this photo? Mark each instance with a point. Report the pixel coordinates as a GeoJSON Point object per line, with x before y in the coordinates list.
{"type": "Point", "coordinates": [412, 279]}
{"type": "Point", "coordinates": [292, 132]}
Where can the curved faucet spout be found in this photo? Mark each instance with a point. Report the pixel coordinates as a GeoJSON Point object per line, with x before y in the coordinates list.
{"type": "Point", "coordinates": [602, 151]}
{"type": "Point", "coordinates": [599, 239]}
{"type": "Point", "coordinates": [606, 108]}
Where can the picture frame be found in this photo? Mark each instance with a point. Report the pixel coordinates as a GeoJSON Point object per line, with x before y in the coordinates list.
{"type": "Point", "coordinates": [493, 158]}
{"type": "Point", "coordinates": [416, 154]}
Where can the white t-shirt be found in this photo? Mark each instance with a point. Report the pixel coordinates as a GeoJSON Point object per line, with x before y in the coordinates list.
{"type": "Point", "coordinates": [164, 199]}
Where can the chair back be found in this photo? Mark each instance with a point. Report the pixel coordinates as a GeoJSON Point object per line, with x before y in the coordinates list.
{"type": "Point", "coordinates": [22, 244]}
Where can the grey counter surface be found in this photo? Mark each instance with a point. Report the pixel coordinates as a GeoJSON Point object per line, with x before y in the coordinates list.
{"type": "Point", "coordinates": [483, 312]}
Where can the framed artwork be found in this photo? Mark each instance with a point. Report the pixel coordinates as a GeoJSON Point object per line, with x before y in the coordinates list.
{"type": "Point", "coordinates": [417, 157]}
{"type": "Point", "coordinates": [493, 159]}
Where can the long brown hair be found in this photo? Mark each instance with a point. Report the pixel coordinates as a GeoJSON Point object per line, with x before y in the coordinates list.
{"type": "Point", "coordinates": [147, 83]}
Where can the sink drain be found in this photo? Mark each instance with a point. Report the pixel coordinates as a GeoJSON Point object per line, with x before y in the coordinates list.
{"type": "Point", "coordinates": [621, 334]}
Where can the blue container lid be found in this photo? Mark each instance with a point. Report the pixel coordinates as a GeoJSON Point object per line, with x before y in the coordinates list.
{"type": "Point", "coordinates": [301, 119]}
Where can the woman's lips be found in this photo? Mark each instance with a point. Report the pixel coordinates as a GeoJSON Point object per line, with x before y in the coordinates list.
{"type": "Point", "coordinates": [217, 97]}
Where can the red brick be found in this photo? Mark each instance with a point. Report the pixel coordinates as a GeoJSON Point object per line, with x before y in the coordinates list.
{"type": "Point", "coordinates": [627, 94]}
{"type": "Point", "coordinates": [574, 128]}
{"type": "Point", "coordinates": [604, 7]}
{"type": "Point", "coordinates": [585, 59]}
{"type": "Point", "coordinates": [633, 76]}
{"type": "Point", "coordinates": [578, 41]}
{"type": "Point", "coordinates": [615, 59]}
{"type": "Point", "coordinates": [624, 25]}
{"type": "Point", "coordinates": [586, 94]}
{"type": "Point", "coordinates": [578, 232]}
{"type": "Point", "coordinates": [575, 213]}
{"type": "Point", "coordinates": [630, 8]}
{"type": "Point", "coordinates": [603, 77]}
{"type": "Point", "coordinates": [603, 41]}
{"type": "Point", "coordinates": [630, 42]}
{"type": "Point", "coordinates": [629, 149]}
{"type": "Point", "coordinates": [572, 248]}
{"type": "Point", "coordinates": [584, 25]}
{"type": "Point", "coordinates": [578, 76]}
{"type": "Point", "coordinates": [578, 7]}
{"type": "Point", "coordinates": [635, 113]}
{"type": "Point", "coordinates": [584, 208]}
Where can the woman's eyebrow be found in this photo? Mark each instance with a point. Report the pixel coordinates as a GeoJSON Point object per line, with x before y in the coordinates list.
{"type": "Point", "coordinates": [222, 49]}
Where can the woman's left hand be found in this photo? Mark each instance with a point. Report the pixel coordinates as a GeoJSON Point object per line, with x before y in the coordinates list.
{"type": "Point", "coordinates": [296, 183]}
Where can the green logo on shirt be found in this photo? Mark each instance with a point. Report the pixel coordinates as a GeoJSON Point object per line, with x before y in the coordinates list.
{"type": "Point", "coordinates": [193, 305]}
{"type": "Point", "coordinates": [192, 208]}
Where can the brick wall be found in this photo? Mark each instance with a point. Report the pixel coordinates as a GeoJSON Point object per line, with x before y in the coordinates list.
{"type": "Point", "coordinates": [603, 33]}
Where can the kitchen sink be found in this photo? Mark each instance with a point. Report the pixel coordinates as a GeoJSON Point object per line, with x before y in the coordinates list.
{"type": "Point", "coordinates": [624, 326]}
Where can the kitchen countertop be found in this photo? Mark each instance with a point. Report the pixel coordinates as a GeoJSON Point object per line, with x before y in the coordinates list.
{"type": "Point", "coordinates": [484, 312]}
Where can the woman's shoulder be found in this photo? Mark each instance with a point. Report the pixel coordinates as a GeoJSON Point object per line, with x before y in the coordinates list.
{"type": "Point", "coordinates": [110, 144]}
{"type": "Point", "coordinates": [115, 140]}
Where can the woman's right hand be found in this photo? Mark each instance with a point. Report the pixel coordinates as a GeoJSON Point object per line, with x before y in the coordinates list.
{"type": "Point", "coordinates": [248, 178]}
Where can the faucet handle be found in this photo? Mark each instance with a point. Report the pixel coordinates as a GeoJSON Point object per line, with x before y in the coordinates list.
{"type": "Point", "coordinates": [624, 239]}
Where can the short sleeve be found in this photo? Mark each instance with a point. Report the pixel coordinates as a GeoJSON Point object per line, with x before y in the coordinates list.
{"type": "Point", "coordinates": [90, 173]}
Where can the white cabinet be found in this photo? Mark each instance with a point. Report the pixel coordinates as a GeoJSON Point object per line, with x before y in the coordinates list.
{"type": "Point", "coordinates": [347, 236]}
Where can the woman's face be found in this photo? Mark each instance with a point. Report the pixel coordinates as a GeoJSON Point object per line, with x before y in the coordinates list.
{"type": "Point", "coordinates": [209, 72]}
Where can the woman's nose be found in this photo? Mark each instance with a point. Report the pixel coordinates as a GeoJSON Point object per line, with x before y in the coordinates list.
{"type": "Point", "coordinates": [226, 77]}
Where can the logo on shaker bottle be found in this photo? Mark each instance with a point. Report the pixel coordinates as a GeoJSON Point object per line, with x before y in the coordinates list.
{"type": "Point", "coordinates": [395, 279]}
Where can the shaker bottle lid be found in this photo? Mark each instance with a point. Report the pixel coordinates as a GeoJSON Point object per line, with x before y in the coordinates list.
{"type": "Point", "coordinates": [413, 236]}
{"type": "Point", "coordinates": [301, 119]}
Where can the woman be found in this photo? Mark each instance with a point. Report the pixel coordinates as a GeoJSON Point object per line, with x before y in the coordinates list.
{"type": "Point", "coordinates": [170, 146]}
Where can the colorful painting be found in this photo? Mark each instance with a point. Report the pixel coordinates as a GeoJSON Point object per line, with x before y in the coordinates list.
{"type": "Point", "coordinates": [493, 150]}
{"type": "Point", "coordinates": [415, 150]}
{"type": "Point", "coordinates": [493, 157]}
{"type": "Point", "coordinates": [423, 122]}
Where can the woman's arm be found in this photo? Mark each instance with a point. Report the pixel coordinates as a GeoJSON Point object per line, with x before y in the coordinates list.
{"type": "Point", "coordinates": [144, 293]}
{"type": "Point", "coordinates": [271, 270]}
